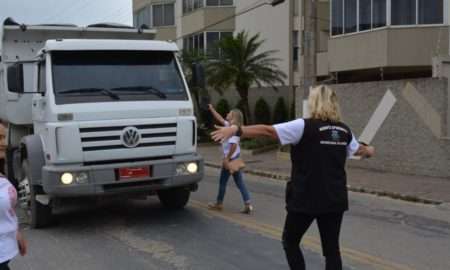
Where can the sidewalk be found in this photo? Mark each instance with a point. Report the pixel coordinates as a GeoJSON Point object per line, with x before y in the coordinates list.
{"type": "Point", "coordinates": [422, 189]}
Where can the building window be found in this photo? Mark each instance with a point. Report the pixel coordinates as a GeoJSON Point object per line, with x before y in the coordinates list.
{"type": "Point", "coordinates": [212, 42]}
{"type": "Point", "coordinates": [215, 3]}
{"type": "Point", "coordinates": [403, 12]}
{"type": "Point", "coordinates": [195, 43]}
{"type": "Point", "coordinates": [142, 17]}
{"type": "Point", "coordinates": [431, 12]}
{"type": "Point", "coordinates": [191, 5]}
{"type": "Point", "coordinates": [378, 13]}
{"type": "Point", "coordinates": [163, 15]}
{"type": "Point", "coordinates": [350, 16]}
{"type": "Point", "coordinates": [365, 15]}
{"type": "Point", "coordinates": [337, 12]}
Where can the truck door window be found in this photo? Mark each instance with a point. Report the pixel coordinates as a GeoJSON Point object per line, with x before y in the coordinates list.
{"type": "Point", "coordinates": [116, 76]}
{"type": "Point", "coordinates": [42, 84]}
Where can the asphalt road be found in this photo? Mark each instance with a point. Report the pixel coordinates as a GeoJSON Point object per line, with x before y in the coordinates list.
{"type": "Point", "coordinates": [378, 233]}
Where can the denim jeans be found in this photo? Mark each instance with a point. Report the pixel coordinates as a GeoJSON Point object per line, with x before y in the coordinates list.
{"type": "Point", "coordinates": [237, 176]}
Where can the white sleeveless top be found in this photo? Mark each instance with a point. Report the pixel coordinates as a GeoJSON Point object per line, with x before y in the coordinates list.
{"type": "Point", "coordinates": [8, 221]}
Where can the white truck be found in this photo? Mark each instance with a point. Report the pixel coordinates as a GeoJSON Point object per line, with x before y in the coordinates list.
{"type": "Point", "coordinates": [93, 111]}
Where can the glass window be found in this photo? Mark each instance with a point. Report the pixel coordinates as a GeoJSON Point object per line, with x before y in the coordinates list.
{"type": "Point", "coordinates": [158, 17]}
{"type": "Point", "coordinates": [337, 17]}
{"type": "Point", "coordinates": [143, 17]}
{"type": "Point", "coordinates": [365, 15]}
{"type": "Point", "coordinates": [212, 2]}
{"type": "Point", "coordinates": [114, 76]}
{"type": "Point", "coordinates": [403, 12]}
{"type": "Point", "coordinates": [431, 11]}
{"type": "Point", "coordinates": [42, 82]}
{"type": "Point", "coordinates": [169, 14]}
{"type": "Point", "coordinates": [379, 13]}
{"type": "Point", "coordinates": [212, 40]}
{"type": "Point", "coordinates": [163, 15]}
{"type": "Point", "coordinates": [226, 2]}
{"type": "Point", "coordinates": [350, 16]}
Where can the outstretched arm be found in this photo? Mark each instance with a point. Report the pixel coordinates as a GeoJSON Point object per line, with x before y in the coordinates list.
{"type": "Point", "coordinates": [253, 131]}
{"type": "Point", "coordinates": [216, 115]}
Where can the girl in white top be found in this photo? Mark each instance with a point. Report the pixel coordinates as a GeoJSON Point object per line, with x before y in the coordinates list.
{"type": "Point", "coordinates": [11, 240]}
{"type": "Point", "coordinates": [231, 151]}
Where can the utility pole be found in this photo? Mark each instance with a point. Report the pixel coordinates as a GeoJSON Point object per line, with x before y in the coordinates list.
{"type": "Point", "coordinates": [308, 78]}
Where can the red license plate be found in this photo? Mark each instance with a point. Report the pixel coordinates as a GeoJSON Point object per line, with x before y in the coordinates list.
{"type": "Point", "coordinates": [133, 173]}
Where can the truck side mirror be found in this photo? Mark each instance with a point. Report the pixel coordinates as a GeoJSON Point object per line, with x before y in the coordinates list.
{"type": "Point", "coordinates": [15, 78]}
{"type": "Point", "coordinates": [198, 76]}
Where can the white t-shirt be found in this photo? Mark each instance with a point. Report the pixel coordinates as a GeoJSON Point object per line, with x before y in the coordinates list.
{"type": "Point", "coordinates": [226, 145]}
{"type": "Point", "coordinates": [292, 132]}
{"type": "Point", "coordinates": [8, 221]}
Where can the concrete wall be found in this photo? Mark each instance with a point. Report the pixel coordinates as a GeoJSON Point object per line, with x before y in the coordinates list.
{"type": "Point", "coordinates": [166, 33]}
{"type": "Point", "coordinates": [408, 140]}
{"type": "Point", "coordinates": [388, 47]}
{"type": "Point", "coordinates": [274, 25]}
{"type": "Point", "coordinates": [198, 19]}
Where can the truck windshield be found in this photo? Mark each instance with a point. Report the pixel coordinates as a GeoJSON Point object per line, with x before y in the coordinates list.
{"type": "Point", "coordinates": [115, 76]}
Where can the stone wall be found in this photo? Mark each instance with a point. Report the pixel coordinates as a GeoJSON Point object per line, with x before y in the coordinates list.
{"type": "Point", "coordinates": [413, 138]}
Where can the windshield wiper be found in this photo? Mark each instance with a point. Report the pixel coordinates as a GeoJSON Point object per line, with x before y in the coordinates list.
{"type": "Point", "coordinates": [147, 89]}
{"type": "Point", "coordinates": [92, 89]}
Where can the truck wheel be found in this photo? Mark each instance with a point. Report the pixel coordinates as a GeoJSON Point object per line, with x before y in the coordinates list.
{"type": "Point", "coordinates": [39, 215]}
{"type": "Point", "coordinates": [174, 198]}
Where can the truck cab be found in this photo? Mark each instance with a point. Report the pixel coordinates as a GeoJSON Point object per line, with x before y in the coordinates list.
{"type": "Point", "coordinates": [94, 112]}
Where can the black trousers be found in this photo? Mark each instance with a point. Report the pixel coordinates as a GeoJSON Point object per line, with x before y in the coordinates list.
{"type": "Point", "coordinates": [4, 265]}
{"type": "Point", "coordinates": [329, 227]}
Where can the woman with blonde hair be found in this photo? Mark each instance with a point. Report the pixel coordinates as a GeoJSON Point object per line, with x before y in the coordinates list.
{"type": "Point", "coordinates": [317, 189]}
{"type": "Point", "coordinates": [231, 151]}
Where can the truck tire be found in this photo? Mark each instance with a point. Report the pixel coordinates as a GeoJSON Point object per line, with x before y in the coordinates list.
{"type": "Point", "coordinates": [39, 215]}
{"type": "Point", "coordinates": [174, 198]}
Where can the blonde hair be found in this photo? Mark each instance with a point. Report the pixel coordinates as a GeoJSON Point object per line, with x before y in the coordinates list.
{"type": "Point", "coordinates": [323, 104]}
{"type": "Point", "coordinates": [238, 117]}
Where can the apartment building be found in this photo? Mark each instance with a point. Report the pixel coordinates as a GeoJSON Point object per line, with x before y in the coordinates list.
{"type": "Point", "coordinates": [199, 24]}
{"type": "Point", "coordinates": [368, 40]}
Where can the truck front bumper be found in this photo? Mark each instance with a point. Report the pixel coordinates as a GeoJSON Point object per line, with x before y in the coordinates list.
{"type": "Point", "coordinates": [105, 180]}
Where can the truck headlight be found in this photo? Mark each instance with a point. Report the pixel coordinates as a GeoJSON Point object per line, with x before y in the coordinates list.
{"type": "Point", "coordinates": [81, 178]}
{"type": "Point", "coordinates": [192, 167]}
{"type": "Point", "coordinates": [187, 168]}
{"type": "Point", "coordinates": [67, 178]}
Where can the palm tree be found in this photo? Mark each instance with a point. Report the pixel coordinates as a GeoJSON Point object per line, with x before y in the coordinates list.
{"type": "Point", "coordinates": [242, 65]}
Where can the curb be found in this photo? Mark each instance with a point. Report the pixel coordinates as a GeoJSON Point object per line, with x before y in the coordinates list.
{"type": "Point", "coordinates": [392, 195]}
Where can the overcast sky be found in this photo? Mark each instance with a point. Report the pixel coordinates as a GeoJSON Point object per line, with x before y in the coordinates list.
{"type": "Point", "coordinates": [80, 12]}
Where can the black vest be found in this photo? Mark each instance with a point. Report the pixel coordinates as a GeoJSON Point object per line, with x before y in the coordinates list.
{"type": "Point", "coordinates": [318, 179]}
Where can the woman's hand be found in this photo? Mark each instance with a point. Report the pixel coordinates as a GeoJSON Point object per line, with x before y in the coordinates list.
{"type": "Point", "coordinates": [223, 133]}
{"type": "Point", "coordinates": [21, 243]}
{"type": "Point", "coordinates": [226, 163]}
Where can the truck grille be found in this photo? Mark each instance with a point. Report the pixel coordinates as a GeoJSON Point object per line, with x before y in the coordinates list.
{"type": "Point", "coordinates": [110, 137]}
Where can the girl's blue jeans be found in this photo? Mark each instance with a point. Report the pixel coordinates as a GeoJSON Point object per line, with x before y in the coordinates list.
{"type": "Point", "coordinates": [237, 176]}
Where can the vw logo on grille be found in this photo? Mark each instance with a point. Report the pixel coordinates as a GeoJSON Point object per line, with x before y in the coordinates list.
{"type": "Point", "coordinates": [131, 137]}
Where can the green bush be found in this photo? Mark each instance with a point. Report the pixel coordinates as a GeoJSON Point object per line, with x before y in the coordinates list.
{"type": "Point", "coordinates": [223, 107]}
{"type": "Point", "coordinates": [280, 113]}
{"type": "Point", "coordinates": [256, 143]}
{"type": "Point", "coordinates": [262, 112]}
